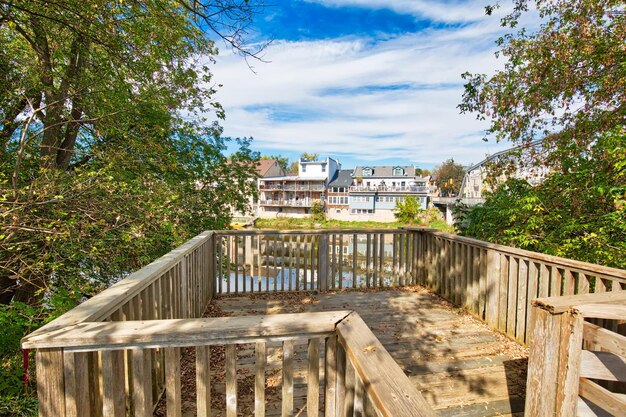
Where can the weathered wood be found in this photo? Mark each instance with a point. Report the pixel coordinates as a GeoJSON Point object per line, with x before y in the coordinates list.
{"type": "Point", "coordinates": [350, 382]}
{"type": "Point", "coordinates": [330, 373]}
{"type": "Point", "coordinates": [188, 332]}
{"type": "Point", "coordinates": [113, 390]}
{"type": "Point", "coordinates": [259, 379]}
{"type": "Point", "coordinates": [568, 376]}
{"type": "Point", "coordinates": [230, 365]}
{"type": "Point", "coordinates": [203, 381]}
{"type": "Point", "coordinates": [561, 304]}
{"type": "Point", "coordinates": [602, 311]}
{"type": "Point", "coordinates": [287, 403]}
{"type": "Point", "coordinates": [173, 397]}
{"type": "Point", "coordinates": [602, 365]}
{"type": "Point", "coordinates": [322, 272]}
{"type": "Point", "coordinates": [313, 377]}
{"type": "Point", "coordinates": [384, 381]}
{"type": "Point", "coordinates": [340, 391]}
{"type": "Point", "coordinates": [543, 364]}
{"type": "Point", "coordinates": [142, 382]}
{"type": "Point", "coordinates": [602, 397]}
{"type": "Point", "coordinates": [493, 289]}
{"type": "Point", "coordinates": [522, 300]}
{"type": "Point", "coordinates": [76, 378]}
{"type": "Point", "coordinates": [604, 339]}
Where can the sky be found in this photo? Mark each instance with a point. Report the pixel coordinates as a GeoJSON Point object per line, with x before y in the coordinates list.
{"type": "Point", "coordinates": [374, 82]}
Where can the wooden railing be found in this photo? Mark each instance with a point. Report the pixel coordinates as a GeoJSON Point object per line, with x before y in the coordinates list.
{"type": "Point", "coordinates": [175, 286]}
{"type": "Point", "coordinates": [495, 283]}
{"type": "Point", "coordinates": [251, 261]}
{"type": "Point", "coordinates": [359, 377]}
{"type": "Point", "coordinates": [560, 371]}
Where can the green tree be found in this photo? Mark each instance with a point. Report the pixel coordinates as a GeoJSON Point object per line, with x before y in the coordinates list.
{"type": "Point", "coordinates": [579, 214]}
{"type": "Point", "coordinates": [408, 211]}
{"type": "Point", "coordinates": [563, 83]}
{"type": "Point", "coordinates": [107, 156]}
{"type": "Point", "coordinates": [448, 177]}
{"type": "Point", "coordinates": [310, 156]}
{"type": "Point", "coordinates": [422, 172]}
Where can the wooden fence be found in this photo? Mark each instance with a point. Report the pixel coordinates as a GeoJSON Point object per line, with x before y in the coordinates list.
{"type": "Point", "coordinates": [494, 282]}
{"type": "Point", "coordinates": [561, 373]}
{"type": "Point", "coordinates": [360, 378]}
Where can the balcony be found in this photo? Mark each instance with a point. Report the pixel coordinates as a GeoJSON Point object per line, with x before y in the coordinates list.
{"type": "Point", "coordinates": [288, 203]}
{"type": "Point", "coordinates": [405, 323]}
{"type": "Point", "coordinates": [382, 188]}
{"type": "Point", "coordinates": [292, 187]}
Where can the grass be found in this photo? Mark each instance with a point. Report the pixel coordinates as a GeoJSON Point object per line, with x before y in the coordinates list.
{"type": "Point", "coordinates": [308, 223]}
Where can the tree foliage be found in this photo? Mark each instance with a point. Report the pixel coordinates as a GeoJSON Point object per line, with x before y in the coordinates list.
{"type": "Point", "coordinates": [448, 177]}
{"type": "Point", "coordinates": [108, 156]}
{"type": "Point", "coordinates": [579, 213]}
{"type": "Point", "coordinates": [564, 83]}
{"type": "Point", "coordinates": [407, 211]}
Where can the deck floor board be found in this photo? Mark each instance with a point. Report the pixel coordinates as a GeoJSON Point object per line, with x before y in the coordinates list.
{"type": "Point", "coordinates": [461, 367]}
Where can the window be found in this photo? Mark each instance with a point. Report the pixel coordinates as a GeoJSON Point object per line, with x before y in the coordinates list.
{"type": "Point", "coordinates": [398, 171]}
{"type": "Point", "coordinates": [323, 167]}
{"type": "Point", "coordinates": [303, 168]}
{"type": "Point", "coordinates": [362, 211]}
{"type": "Point", "coordinates": [368, 172]}
{"type": "Point", "coordinates": [379, 199]}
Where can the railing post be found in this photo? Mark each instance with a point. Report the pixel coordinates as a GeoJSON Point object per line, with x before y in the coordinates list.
{"type": "Point", "coordinates": [211, 278]}
{"type": "Point", "coordinates": [322, 273]}
{"type": "Point", "coordinates": [50, 382]}
{"type": "Point", "coordinates": [553, 363]}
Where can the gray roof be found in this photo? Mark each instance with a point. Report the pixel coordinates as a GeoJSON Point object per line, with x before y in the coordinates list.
{"type": "Point", "coordinates": [343, 178]}
{"type": "Point", "coordinates": [385, 171]}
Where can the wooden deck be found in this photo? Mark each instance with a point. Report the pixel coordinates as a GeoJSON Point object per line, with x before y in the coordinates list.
{"type": "Point", "coordinates": [461, 367]}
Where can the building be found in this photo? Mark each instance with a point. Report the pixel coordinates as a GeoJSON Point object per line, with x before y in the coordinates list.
{"type": "Point", "coordinates": [337, 206]}
{"type": "Point", "coordinates": [474, 185]}
{"type": "Point", "coordinates": [294, 195]}
{"type": "Point", "coordinates": [377, 189]}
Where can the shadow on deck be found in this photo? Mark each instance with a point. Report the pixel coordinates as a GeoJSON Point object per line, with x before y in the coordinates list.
{"type": "Point", "coordinates": [459, 365]}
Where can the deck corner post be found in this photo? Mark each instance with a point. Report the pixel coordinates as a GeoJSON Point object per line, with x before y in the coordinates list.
{"type": "Point", "coordinates": [554, 363]}
{"type": "Point", "coordinates": [50, 382]}
{"type": "Point", "coordinates": [211, 278]}
{"type": "Point", "coordinates": [322, 277]}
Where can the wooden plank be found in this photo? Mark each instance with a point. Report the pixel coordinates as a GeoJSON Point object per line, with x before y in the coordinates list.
{"type": "Point", "coordinates": [259, 379]}
{"type": "Point", "coordinates": [354, 260]}
{"type": "Point", "coordinates": [76, 377]}
{"type": "Point", "coordinates": [287, 389]}
{"type": "Point", "coordinates": [298, 248]}
{"type": "Point", "coordinates": [512, 297]}
{"type": "Point", "coordinates": [544, 281]}
{"type": "Point", "coordinates": [113, 389]}
{"type": "Point", "coordinates": [568, 376]}
{"type": "Point", "coordinates": [602, 365]}
{"type": "Point", "coordinates": [359, 410]}
{"type": "Point", "coordinates": [333, 261]}
{"type": "Point", "coordinates": [367, 260]}
{"type": "Point", "coordinates": [230, 365]}
{"type": "Point", "coordinates": [142, 382]}
{"type": "Point", "coordinates": [313, 377]}
{"type": "Point", "coordinates": [493, 289]}
{"type": "Point", "coordinates": [504, 286]}
{"type": "Point", "coordinates": [282, 264]}
{"type": "Point", "coordinates": [543, 363]}
{"type": "Point", "coordinates": [340, 392]}
{"type": "Point", "coordinates": [189, 332]}
{"type": "Point", "coordinates": [522, 300]}
{"type": "Point", "coordinates": [562, 304]}
{"type": "Point", "coordinates": [350, 382]}
{"type": "Point", "coordinates": [604, 339]}
{"type": "Point", "coordinates": [173, 396]}
{"type": "Point", "coordinates": [323, 271]}
{"type": "Point", "coordinates": [602, 397]}
{"type": "Point", "coordinates": [602, 311]}
{"type": "Point", "coordinates": [203, 381]}
{"type": "Point", "coordinates": [330, 373]}
{"type": "Point", "coordinates": [341, 239]}
{"type": "Point", "coordinates": [375, 261]}
{"type": "Point", "coordinates": [385, 383]}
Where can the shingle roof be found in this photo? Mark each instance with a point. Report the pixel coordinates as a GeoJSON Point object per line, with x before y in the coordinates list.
{"type": "Point", "coordinates": [385, 171]}
{"type": "Point", "coordinates": [343, 178]}
{"type": "Point", "coordinates": [264, 165]}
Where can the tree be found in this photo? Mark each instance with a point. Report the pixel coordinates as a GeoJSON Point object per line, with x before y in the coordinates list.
{"type": "Point", "coordinates": [577, 214]}
{"type": "Point", "coordinates": [422, 172]}
{"type": "Point", "coordinates": [310, 156]}
{"type": "Point", "coordinates": [448, 177]}
{"type": "Point", "coordinates": [563, 83]}
{"type": "Point", "coordinates": [407, 211]}
{"type": "Point", "coordinates": [283, 161]}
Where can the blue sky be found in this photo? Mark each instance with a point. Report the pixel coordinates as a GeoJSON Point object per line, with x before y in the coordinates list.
{"type": "Point", "coordinates": [363, 81]}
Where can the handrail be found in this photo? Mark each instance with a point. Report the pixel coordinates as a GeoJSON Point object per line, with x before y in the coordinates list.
{"type": "Point", "coordinates": [559, 367]}
{"type": "Point", "coordinates": [108, 301]}
{"type": "Point", "coordinates": [386, 384]}
{"type": "Point", "coordinates": [618, 274]}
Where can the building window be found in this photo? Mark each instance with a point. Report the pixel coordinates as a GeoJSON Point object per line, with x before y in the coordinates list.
{"type": "Point", "coordinates": [368, 172]}
{"type": "Point", "coordinates": [398, 171]}
{"type": "Point", "coordinates": [303, 168]}
{"type": "Point", "coordinates": [323, 167]}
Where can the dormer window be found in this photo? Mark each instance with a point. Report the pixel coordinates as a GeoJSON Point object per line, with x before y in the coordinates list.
{"type": "Point", "coordinates": [368, 172]}
{"type": "Point", "coordinates": [398, 172]}
{"type": "Point", "coordinates": [323, 167]}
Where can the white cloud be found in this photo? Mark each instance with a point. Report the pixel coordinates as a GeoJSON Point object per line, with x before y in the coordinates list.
{"type": "Point", "coordinates": [420, 123]}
